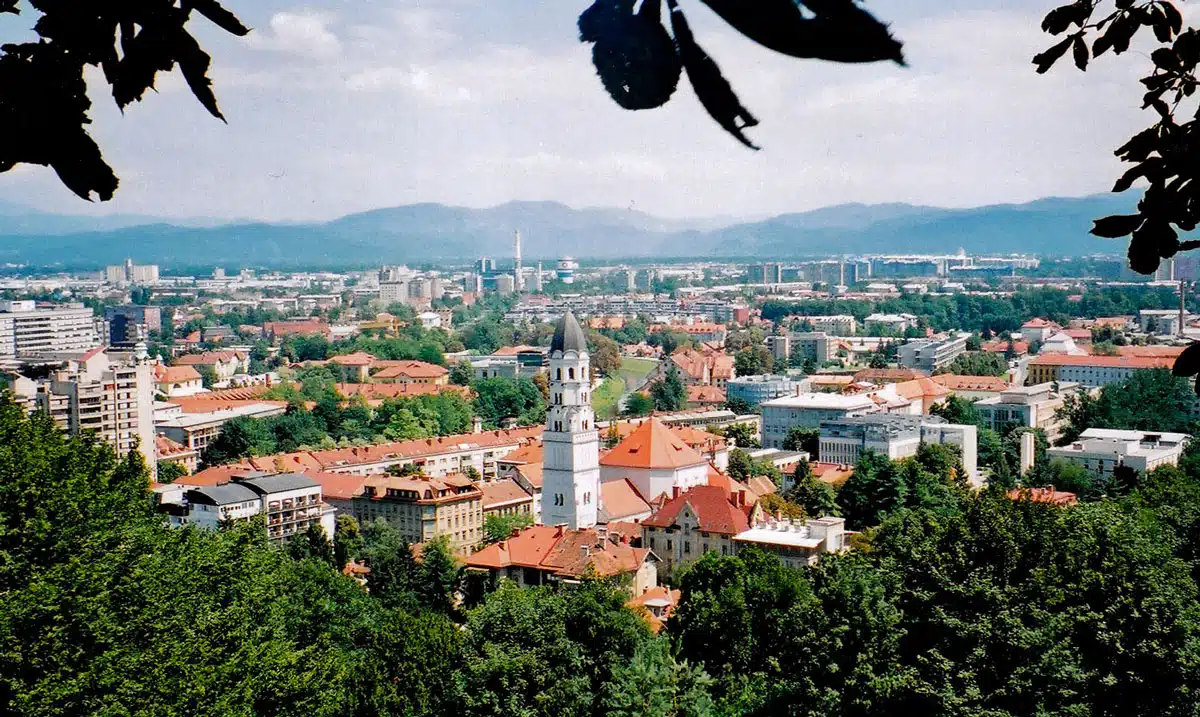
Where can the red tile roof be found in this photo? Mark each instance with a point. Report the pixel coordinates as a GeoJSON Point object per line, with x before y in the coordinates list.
{"type": "Point", "coordinates": [888, 375]}
{"type": "Point", "coordinates": [954, 382]}
{"type": "Point", "coordinates": [358, 358]}
{"type": "Point", "coordinates": [175, 374]}
{"type": "Point", "coordinates": [396, 390]}
{"type": "Point", "coordinates": [620, 500]}
{"type": "Point", "coordinates": [338, 486]}
{"type": "Point", "coordinates": [503, 492]}
{"type": "Point", "coordinates": [705, 394]}
{"type": "Point", "coordinates": [652, 445]}
{"type": "Point", "coordinates": [209, 358]}
{"type": "Point", "coordinates": [411, 369]}
{"type": "Point", "coordinates": [1043, 495]}
{"type": "Point", "coordinates": [713, 507]}
{"type": "Point", "coordinates": [1000, 346]}
{"type": "Point", "coordinates": [166, 448]}
{"type": "Point", "coordinates": [1133, 362]}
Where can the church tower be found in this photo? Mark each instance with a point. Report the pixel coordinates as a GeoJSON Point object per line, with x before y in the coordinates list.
{"type": "Point", "coordinates": [570, 444]}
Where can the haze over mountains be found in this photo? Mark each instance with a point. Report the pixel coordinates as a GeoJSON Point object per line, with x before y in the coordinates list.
{"type": "Point", "coordinates": [436, 232]}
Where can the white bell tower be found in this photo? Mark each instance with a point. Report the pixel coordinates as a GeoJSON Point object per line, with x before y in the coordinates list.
{"type": "Point", "coordinates": [570, 444]}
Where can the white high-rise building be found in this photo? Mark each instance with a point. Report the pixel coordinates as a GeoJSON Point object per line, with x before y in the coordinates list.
{"type": "Point", "coordinates": [571, 444]}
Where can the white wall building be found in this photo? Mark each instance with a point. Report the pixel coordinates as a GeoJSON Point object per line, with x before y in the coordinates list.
{"type": "Point", "coordinates": [808, 410]}
{"type": "Point", "coordinates": [896, 437]}
{"type": "Point", "coordinates": [44, 329]}
{"type": "Point", "coordinates": [1101, 450]}
{"type": "Point", "coordinates": [930, 355]}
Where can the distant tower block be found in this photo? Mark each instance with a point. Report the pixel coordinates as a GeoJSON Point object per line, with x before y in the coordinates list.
{"type": "Point", "coordinates": [539, 284]}
{"type": "Point", "coordinates": [631, 280]}
{"type": "Point", "coordinates": [518, 281]}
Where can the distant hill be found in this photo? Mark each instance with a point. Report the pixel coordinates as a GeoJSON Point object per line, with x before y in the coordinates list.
{"type": "Point", "coordinates": [431, 232]}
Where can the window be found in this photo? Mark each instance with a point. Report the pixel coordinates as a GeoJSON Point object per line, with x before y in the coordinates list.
{"type": "Point", "coordinates": [687, 548]}
{"type": "Point", "coordinates": [571, 373]}
{"type": "Point", "coordinates": [558, 374]}
{"type": "Point", "coordinates": [558, 499]}
{"type": "Point", "coordinates": [669, 544]}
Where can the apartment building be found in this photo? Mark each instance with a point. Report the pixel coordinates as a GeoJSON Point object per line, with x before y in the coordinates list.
{"type": "Point", "coordinates": [808, 410]}
{"type": "Point", "coordinates": [130, 273]}
{"type": "Point", "coordinates": [38, 329]}
{"type": "Point", "coordinates": [411, 372]}
{"type": "Point", "coordinates": [224, 364]}
{"type": "Point", "coordinates": [836, 325]}
{"type": "Point", "coordinates": [195, 430]}
{"type": "Point", "coordinates": [1091, 371]}
{"type": "Point", "coordinates": [110, 395]}
{"type": "Point", "coordinates": [815, 345]}
{"type": "Point", "coordinates": [931, 355]}
{"type": "Point", "coordinates": [130, 324]}
{"type": "Point", "coordinates": [1033, 406]}
{"type": "Point", "coordinates": [763, 387]}
{"type": "Point", "coordinates": [290, 502]}
{"type": "Point", "coordinates": [895, 323]}
{"type": "Point", "coordinates": [424, 507]}
{"type": "Point", "coordinates": [1102, 450]}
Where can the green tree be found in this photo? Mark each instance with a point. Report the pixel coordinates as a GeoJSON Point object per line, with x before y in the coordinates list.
{"type": "Point", "coordinates": [440, 576]}
{"type": "Point", "coordinates": [958, 410]}
{"type": "Point", "coordinates": [655, 683]}
{"type": "Point", "coordinates": [239, 438]}
{"type": "Point", "coordinates": [742, 435]}
{"type": "Point", "coordinates": [817, 497]}
{"type": "Point", "coordinates": [872, 492]}
{"type": "Point", "coordinates": [669, 392]}
{"type": "Point", "coordinates": [499, 398]}
{"type": "Point", "coordinates": [170, 471]}
{"type": "Point", "coordinates": [394, 571]}
{"type": "Point", "coordinates": [803, 439]}
{"type": "Point", "coordinates": [347, 540]}
{"type": "Point", "coordinates": [312, 544]}
{"type": "Point", "coordinates": [605, 354]}
{"type": "Point", "coordinates": [208, 375]}
{"type": "Point", "coordinates": [638, 404]}
{"type": "Point", "coordinates": [501, 527]}
{"type": "Point", "coordinates": [462, 373]}
{"type": "Point", "coordinates": [738, 405]}
{"type": "Point", "coordinates": [980, 363]}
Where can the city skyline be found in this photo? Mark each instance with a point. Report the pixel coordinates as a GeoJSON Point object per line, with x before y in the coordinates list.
{"type": "Point", "coordinates": [336, 108]}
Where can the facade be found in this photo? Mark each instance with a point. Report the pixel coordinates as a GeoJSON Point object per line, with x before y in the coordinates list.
{"type": "Point", "coordinates": [1091, 371]}
{"type": "Point", "coordinates": [757, 389]}
{"type": "Point", "coordinates": [703, 367]}
{"type": "Point", "coordinates": [764, 274]}
{"type": "Point", "coordinates": [130, 273]}
{"type": "Point", "coordinates": [46, 329]}
{"type": "Point", "coordinates": [895, 436]}
{"type": "Point", "coordinates": [130, 324]}
{"type": "Point", "coordinates": [931, 355]}
{"type": "Point", "coordinates": [696, 521]}
{"type": "Point", "coordinates": [1102, 450]}
{"type": "Point", "coordinates": [506, 497]}
{"type": "Point", "coordinates": [1161, 322]}
{"type": "Point", "coordinates": [111, 395]}
{"type": "Point", "coordinates": [412, 372]}
{"type": "Point", "coordinates": [1033, 406]}
{"type": "Point", "coordinates": [972, 388]}
{"type": "Point", "coordinates": [797, 543]}
{"type": "Point", "coordinates": [173, 381]}
{"type": "Point", "coordinates": [225, 364]}
{"type": "Point", "coordinates": [570, 443]}
{"type": "Point", "coordinates": [808, 410]}
{"type": "Point", "coordinates": [895, 323]}
{"type": "Point", "coordinates": [290, 502]}
{"type": "Point", "coordinates": [837, 325]}
{"type": "Point", "coordinates": [422, 507]}
{"type": "Point", "coordinates": [815, 345]}
{"type": "Point", "coordinates": [780, 346]}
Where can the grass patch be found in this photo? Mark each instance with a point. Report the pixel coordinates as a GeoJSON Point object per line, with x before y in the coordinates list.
{"type": "Point", "coordinates": [634, 371]}
{"type": "Point", "coordinates": [606, 398]}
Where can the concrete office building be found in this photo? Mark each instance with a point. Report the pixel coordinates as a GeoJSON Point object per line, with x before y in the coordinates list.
{"type": "Point", "coordinates": [758, 389]}
{"type": "Point", "coordinates": [1102, 450]}
{"type": "Point", "coordinates": [895, 436]}
{"type": "Point", "coordinates": [930, 355]}
{"type": "Point", "coordinates": [808, 410]}
{"type": "Point", "coordinates": [837, 325]}
{"type": "Point", "coordinates": [130, 273]}
{"type": "Point", "coordinates": [1033, 406]}
{"type": "Point", "coordinates": [815, 345]}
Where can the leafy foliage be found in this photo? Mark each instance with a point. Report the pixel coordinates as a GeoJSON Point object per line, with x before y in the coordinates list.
{"type": "Point", "coordinates": [639, 62]}
{"type": "Point", "coordinates": [45, 101]}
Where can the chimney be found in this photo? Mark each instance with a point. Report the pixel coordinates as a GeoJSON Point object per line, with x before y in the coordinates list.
{"type": "Point", "coordinates": [674, 491]}
{"type": "Point", "coordinates": [560, 530]}
{"type": "Point", "coordinates": [586, 550]}
{"type": "Point", "coordinates": [476, 425]}
{"type": "Point", "coordinates": [515, 532]}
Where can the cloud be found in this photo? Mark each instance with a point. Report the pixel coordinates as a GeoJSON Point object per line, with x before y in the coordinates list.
{"type": "Point", "coordinates": [304, 33]}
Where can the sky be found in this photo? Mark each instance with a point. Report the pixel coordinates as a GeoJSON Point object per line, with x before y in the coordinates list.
{"type": "Point", "coordinates": [338, 106]}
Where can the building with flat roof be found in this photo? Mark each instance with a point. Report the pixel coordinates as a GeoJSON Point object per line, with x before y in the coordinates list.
{"type": "Point", "coordinates": [895, 436]}
{"type": "Point", "coordinates": [814, 345]}
{"type": "Point", "coordinates": [836, 325]}
{"type": "Point", "coordinates": [762, 387]}
{"type": "Point", "coordinates": [1102, 450]}
{"type": "Point", "coordinates": [808, 410]}
{"type": "Point", "coordinates": [290, 502]}
{"type": "Point", "coordinates": [1033, 406]}
{"type": "Point", "coordinates": [931, 355]}
{"type": "Point", "coordinates": [796, 543]}
{"type": "Point", "coordinates": [196, 430]}
{"type": "Point", "coordinates": [35, 329]}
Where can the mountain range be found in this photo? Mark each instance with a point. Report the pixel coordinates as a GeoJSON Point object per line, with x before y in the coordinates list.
{"type": "Point", "coordinates": [435, 232]}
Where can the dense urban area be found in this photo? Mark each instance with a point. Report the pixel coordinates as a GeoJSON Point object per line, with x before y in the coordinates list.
{"type": "Point", "coordinates": [865, 485]}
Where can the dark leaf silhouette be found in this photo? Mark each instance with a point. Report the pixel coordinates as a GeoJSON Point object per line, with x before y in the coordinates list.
{"type": "Point", "coordinates": [43, 95]}
{"type": "Point", "coordinates": [1116, 226]}
{"type": "Point", "coordinates": [1188, 362]}
{"type": "Point", "coordinates": [711, 88]}
{"type": "Point", "coordinates": [1080, 50]}
{"type": "Point", "coordinates": [839, 31]}
{"type": "Point", "coordinates": [1045, 60]}
{"type": "Point", "coordinates": [633, 54]}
